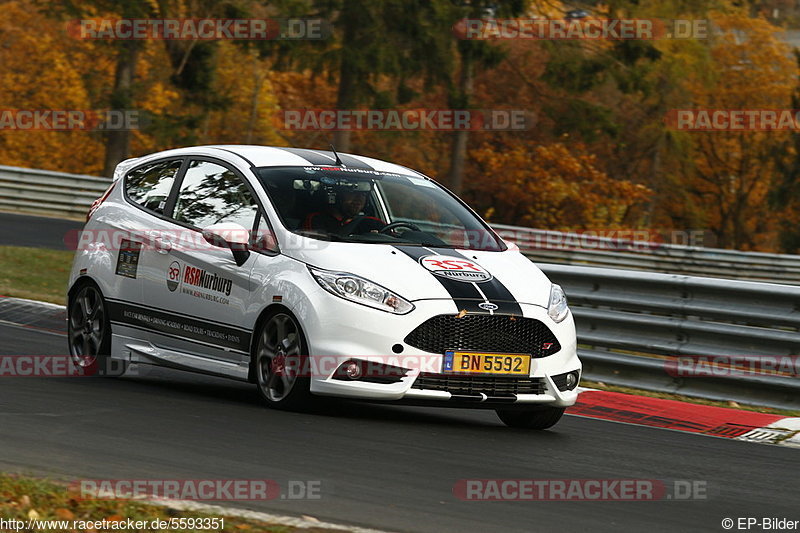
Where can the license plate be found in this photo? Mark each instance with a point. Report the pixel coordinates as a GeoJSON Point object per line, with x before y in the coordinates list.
{"type": "Point", "coordinates": [514, 364]}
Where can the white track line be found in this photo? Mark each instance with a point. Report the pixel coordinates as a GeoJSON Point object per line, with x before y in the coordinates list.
{"type": "Point", "coordinates": [303, 522]}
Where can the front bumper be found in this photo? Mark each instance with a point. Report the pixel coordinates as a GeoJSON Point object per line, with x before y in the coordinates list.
{"type": "Point", "coordinates": [341, 331]}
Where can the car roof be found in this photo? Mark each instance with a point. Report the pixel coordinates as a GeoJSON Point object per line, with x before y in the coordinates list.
{"type": "Point", "coordinates": [273, 156]}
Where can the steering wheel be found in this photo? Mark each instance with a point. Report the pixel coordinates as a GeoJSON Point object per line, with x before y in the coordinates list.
{"type": "Point", "coordinates": [350, 227]}
{"type": "Point", "coordinates": [401, 224]}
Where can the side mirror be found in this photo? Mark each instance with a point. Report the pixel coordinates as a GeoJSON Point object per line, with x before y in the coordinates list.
{"type": "Point", "coordinates": [229, 235]}
{"type": "Point", "coordinates": [264, 241]}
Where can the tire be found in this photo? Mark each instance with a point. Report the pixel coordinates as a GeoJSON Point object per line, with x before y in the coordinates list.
{"type": "Point", "coordinates": [542, 418]}
{"type": "Point", "coordinates": [89, 333]}
{"type": "Point", "coordinates": [281, 357]}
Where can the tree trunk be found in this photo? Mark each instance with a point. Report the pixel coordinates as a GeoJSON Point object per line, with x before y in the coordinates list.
{"type": "Point", "coordinates": [258, 81]}
{"type": "Point", "coordinates": [458, 157]}
{"type": "Point", "coordinates": [118, 142]}
{"type": "Point", "coordinates": [341, 140]}
{"type": "Point", "coordinates": [347, 96]}
{"type": "Point", "coordinates": [458, 154]}
{"type": "Point", "coordinates": [345, 99]}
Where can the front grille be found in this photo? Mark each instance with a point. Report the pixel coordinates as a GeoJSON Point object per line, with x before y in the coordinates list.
{"type": "Point", "coordinates": [486, 333]}
{"type": "Point", "coordinates": [490, 386]}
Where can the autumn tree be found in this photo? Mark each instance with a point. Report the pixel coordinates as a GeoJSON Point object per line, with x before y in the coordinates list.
{"type": "Point", "coordinates": [728, 181]}
{"type": "Point", "coordinates": [376, 41]}
{"type": "Point", "coordinates": [550, 186]}
{"type": "Point", "coordinates": [121, 94]}
{"type": "Point", "coordinates": [784, 194]}
{"type": "Point", "coordinates": [473, 55]}
{"type": "Point", "coordinates": [42, 69]}
{"type": "Point", "coordinates": [243, 76]}
{"type": "Point", "coordinates": [192, 64]}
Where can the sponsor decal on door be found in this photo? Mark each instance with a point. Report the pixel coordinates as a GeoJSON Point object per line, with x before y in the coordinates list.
{"type": "Point", "coordinates": [198, 282]}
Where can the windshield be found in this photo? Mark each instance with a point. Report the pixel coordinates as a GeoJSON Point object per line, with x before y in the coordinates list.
{"type": "Point", "coordinates": [369, 206]}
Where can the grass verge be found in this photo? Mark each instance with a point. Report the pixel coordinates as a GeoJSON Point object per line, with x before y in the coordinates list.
{"type": "Point", "coordinates": [34, 273]}
{"type": "Point", "coordinates": [26, 498]}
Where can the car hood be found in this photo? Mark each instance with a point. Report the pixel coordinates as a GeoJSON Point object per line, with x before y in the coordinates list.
{"type": "Point", "coordinates": [424, 273]}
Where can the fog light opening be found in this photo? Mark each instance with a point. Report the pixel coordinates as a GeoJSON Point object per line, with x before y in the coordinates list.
{"type": "Point", "coordinates": [352, 370]}
{"type": "Point", "coordinates": [572, 380]}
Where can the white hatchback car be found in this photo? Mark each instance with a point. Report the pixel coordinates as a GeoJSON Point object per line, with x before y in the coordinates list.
{"type": "Point", "coordinates": [314, 273]}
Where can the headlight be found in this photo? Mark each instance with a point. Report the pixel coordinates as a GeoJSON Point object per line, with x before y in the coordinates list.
{"type": "Point", "coordinates": [557, 308]}
{"type": "Point", "coordinates": [362, 291]}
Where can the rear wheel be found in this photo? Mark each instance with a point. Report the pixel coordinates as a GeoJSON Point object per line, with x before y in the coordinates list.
{"type": "Point", "coordinates": [541, 418]}
{"type": "Point", "coordinates": [89, 333]}
{"type": "Point", "coordinates": [281, 363]}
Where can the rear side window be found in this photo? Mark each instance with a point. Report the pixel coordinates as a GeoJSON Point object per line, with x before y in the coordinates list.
{"type": "Point", "coordinates": [210, 194]}
{"type": "Point", "coordinates": [149, 185]}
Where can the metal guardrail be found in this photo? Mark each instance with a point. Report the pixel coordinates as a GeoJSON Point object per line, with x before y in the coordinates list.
{"type": "Point", "coordinates": [547, 246]}
{"type": "Point", "coordinates": [45, 192]}
{"type": "Point", "coordinates": [622, 317]}
{"type": "Point", "coordinates": [61, 194]}
{"type": "Point", "coordinates": [649, 374]}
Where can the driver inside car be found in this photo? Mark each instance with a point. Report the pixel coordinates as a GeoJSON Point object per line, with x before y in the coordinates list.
{"type": "Point", "coordinates": [344, 212]}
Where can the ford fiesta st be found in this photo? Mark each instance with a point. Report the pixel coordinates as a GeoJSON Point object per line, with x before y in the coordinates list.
{"type": "Point", "coordinates": [314, 273]}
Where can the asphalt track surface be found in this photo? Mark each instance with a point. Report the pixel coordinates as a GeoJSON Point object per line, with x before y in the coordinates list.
{"type": "Point", "coordinates": [381, 466]}
{"type": "Point", "coordinates": [37, 232]}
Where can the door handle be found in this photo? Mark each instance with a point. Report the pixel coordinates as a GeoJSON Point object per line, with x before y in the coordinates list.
{"type": "Point", "coordinates": [162, 246]}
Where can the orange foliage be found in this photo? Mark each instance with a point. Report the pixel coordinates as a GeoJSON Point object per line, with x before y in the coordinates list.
{"type": "Point", "coordinates": [534, 178]}
{"type": "Point", "coordinates": [551, 186]}
{"type": "Point", "coordinates": [42, 69]}
{"type": "Point", "coordinates": [732, 172]}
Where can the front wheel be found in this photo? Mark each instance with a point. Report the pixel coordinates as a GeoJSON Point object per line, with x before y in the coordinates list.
{"type": "Point", "coordinates": [281, 363]}
{"type": "Point", "coordinates": [541, 418]}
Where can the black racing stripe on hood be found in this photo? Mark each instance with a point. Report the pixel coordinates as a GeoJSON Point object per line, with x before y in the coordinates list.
{"type": "Point", "coordinates": [495, 291]}
{"type": "Point", "coordinates": [465, 295]}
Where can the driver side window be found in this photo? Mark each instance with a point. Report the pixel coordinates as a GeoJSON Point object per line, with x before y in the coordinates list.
{"type": "Point", "coordinates": [211, 193]}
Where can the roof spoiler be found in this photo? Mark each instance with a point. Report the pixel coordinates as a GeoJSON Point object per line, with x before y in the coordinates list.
{"type": "Point", "coordinates": [123, 167]}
